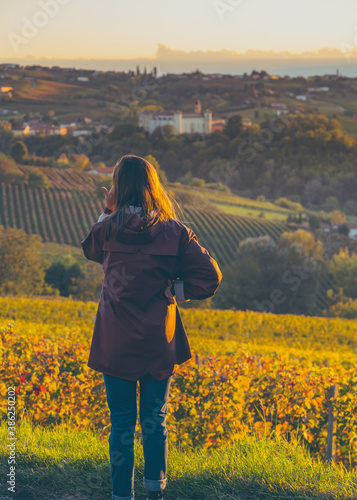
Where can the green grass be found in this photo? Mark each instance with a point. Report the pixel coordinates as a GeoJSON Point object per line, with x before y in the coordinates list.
{"type": "Point", "coordinates": [215, 196]}
{"type": "Point", "coordinates": [249, 113]}
{"type": "Point", "coordinates": [237, 210]}
{"type": "Point", "coordinates": [53, 252]}
{"type": "Point", "coordinates": [65, 464]}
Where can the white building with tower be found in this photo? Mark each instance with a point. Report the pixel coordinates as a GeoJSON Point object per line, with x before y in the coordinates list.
{"type": "Point", "coordinates": [183, 123]}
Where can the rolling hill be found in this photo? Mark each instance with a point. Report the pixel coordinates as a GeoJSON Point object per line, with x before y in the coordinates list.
{"type": "Point", "coordinates": [66, 215]}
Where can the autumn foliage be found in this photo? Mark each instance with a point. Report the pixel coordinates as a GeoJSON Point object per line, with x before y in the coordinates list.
{"type": "Point", "coordinates": [239, 386]}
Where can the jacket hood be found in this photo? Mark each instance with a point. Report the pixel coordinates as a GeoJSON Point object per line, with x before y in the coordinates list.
{"type": "Point", "coordinates": [138, 231]}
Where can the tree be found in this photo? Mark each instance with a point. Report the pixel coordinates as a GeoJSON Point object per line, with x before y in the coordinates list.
{"type": "Point", "coordinates": [122, 130]}
{"type": "Point", "coordinates": [19, 151]}
{"type": "Point", "coordinates": [21, 268]}
{"type": "Point", "coordinates": [185, 179]}
{"type": "Point", "coordinates": [240, 285]}
{"type": "Point", "coordinates": [311, 246]}
{"type": "Point", "coordinates": [196, 181]}
{"type": "Point", "coordinates": [169, 131]}
{"type": "Point", "coordinates": [38, 179]}
{"type": "Point", "coordinates": [280, 277]}
{"type": "Point", "coordinates": [331, 203]}
{"type": "Point", "coordinates": [337, 217]}
{"type": "Point", "coordinates": [343, 229]}
{"type": "Point", "coordinates": [343, 268]}
{"type": "Point", "coordinates": [314, 222]}
{"type": "Point", "coordinates": [233, 127]}
{"type": "Point", "coordinates": [88, 285]}
{"type": "Point", "coordinates": [62, 275]}
{"type": "Point", "coordinates": [9, 171]}
{"type": "Point", "coordinates": [6, 137]}
{"type": "Point", "coordinates": [79, 162]}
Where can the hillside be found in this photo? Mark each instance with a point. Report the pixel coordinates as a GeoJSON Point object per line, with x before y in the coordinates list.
{"type": "Point", "coordinates": [285, 147]}
{"type": "Point", "coordinates": [67, 178]}
{"type": "Point", "coordinates": [62, 92]}
{"type": "Point", "coordinates": [66, 215]}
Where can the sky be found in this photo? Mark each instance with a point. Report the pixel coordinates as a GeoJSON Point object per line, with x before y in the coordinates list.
{"type": "Point", "coordinates": [127, 29]}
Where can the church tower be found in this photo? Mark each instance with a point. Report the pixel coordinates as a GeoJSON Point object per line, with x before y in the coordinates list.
{"type": "Point", "coordinates": [198, 108]}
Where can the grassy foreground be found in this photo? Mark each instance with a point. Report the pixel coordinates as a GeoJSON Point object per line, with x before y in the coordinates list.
{"type": "Point", "coordinates": [65, 464]}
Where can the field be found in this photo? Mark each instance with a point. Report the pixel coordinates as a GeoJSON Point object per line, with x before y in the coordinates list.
{"type": "Point", "coordinates": [222, 198]}
{"type": "Point", "coordinates": [258, 380]}
{"type": "Point", "coordinates": [65, 215]}
{"type": "Point", "coordinates": [250, 212]}
{"type": "Point", "coordinates": [45, 90]}
{"type": "Point", "coordinates": [65, 178]}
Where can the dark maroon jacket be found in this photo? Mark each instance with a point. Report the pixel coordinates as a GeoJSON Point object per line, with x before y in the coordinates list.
{"type": "Point", "coordinates": [136, 330]}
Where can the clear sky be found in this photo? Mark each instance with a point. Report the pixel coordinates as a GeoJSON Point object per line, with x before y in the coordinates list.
{"type": "Point", "coordinates": [134, 28]}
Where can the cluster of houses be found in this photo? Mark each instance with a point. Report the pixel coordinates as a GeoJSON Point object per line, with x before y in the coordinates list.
{"type": "Point", "coordinates": [333, 229]}
{"type": "Point", "coordinates": [37, 127]}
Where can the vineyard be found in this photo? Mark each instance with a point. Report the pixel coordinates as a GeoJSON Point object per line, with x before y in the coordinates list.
{"type": "Point", "coordinates": [258, 374]}
{"type": "Point", "coordinates": [64, 178]}
{"type": "Point", "coordinates": [66, 215]}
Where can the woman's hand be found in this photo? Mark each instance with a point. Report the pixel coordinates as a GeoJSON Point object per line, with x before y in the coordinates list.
{"type": "Point", "coordinates": [109, 198]}
{"type": "Point", "coordinates": [168, 294]}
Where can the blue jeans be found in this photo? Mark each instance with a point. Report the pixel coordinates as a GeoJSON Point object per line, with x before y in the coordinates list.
{"type": "Point", "coordinates": [121, 397]}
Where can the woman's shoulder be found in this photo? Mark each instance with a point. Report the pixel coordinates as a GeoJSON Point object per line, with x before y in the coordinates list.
{"type": "Point", "coordinates": [179, 229]}
{"type": "Point", "coordinates": [177, 225]}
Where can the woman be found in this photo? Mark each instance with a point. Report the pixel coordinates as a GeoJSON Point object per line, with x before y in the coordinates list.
{"type": "Point", "coordinates": [150, 261]}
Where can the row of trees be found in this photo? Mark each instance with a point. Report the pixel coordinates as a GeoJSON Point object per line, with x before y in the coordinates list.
{"type": "Point", "coordinates": [308, 158]}
{"type": "Point", "coordinates": [24, 272]}
{"type": "Point", "coordinates": [291, 275]}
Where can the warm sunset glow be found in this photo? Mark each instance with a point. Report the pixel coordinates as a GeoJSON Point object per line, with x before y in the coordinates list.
{"type": "Point", "coordinates": [110, 29]}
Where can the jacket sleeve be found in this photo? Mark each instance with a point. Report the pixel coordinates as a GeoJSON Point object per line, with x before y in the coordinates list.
{"type": "Point", "coordinates": [198, 271]}
{"type": "Point", "coordinates": [91, 246]}
{"type": "Point", "coordinates": [102, 216]}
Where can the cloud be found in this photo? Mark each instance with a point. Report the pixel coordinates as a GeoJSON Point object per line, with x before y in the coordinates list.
{"type": "Point", "coordinates": [165, 53]}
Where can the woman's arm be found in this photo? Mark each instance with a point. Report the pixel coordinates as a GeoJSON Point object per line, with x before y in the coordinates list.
{"type": "Point", "coordinates": [198, 272]}
{"type": "Point", "coordinates": [105, 214]}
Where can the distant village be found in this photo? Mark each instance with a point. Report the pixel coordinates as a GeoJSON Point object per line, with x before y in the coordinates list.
{"type": "Point", "coordinates": [197, 121]}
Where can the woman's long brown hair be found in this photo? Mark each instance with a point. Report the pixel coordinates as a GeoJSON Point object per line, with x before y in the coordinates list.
{"type": "Point", "coordinates": [137, 183]}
